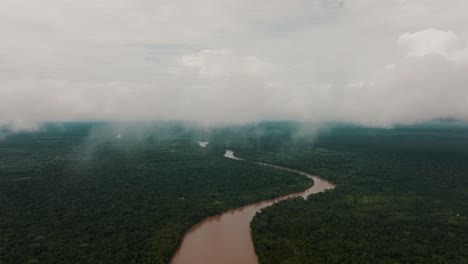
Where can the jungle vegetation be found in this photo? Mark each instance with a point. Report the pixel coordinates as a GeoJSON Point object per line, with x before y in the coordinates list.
{"type": "Point", "coordinates": [401, 196]}
{"type": "Point", "coordinates": [100, 193]}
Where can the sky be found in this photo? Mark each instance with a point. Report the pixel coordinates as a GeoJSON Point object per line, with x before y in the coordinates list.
{"type": "Point", "coordinates": [368, 62]}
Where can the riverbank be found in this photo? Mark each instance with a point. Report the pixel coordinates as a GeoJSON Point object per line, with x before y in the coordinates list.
{"type": "Point", "coordinates": [226, 238]}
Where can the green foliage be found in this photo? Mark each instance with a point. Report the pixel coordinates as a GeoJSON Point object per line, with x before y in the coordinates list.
{"type": "Point", "coordinates": [77, 194]}
{"type": "Point", "coordinates": [401, 198]}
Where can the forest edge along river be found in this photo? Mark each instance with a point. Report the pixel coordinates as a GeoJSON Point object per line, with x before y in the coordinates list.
{"type": "Point", "coordinates": [226, 238]}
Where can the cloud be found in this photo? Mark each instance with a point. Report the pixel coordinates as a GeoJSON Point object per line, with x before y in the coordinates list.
{"type": "Point", "coordinates": [218, 63]}
{"type": "Point", "coordinates": [373, 62]}
{"type": "Point", "coordinates": [433, 41]}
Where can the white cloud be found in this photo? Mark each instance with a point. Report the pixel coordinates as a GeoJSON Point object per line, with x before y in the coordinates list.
{"type": "Point", "coordinates": [433, 41]}
{"type": "Point", "coordinates": [218, 63]}
{"type": "Point", "coordinates": [376, 62]}
{"type": "Point", "coordinates": [429, 41]}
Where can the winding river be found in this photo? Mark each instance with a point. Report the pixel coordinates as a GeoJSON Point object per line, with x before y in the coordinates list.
{"type": "Point", "coordinates": [226, 238]}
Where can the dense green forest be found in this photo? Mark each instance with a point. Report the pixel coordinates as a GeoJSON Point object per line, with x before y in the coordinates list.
{"type": "Point", "coordinates": [401, 196]}
{"type": "Point", "coordinates": [98, 193]}
{"type": "Point", "coordinates": [101, 193]}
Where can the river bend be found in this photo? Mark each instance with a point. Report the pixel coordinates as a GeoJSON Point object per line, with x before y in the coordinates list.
{"type": "Point", "coordinates": [226, 238]}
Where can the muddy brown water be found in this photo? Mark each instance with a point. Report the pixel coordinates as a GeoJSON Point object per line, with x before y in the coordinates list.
{"type": "Point", "coordinates": [226, 238]}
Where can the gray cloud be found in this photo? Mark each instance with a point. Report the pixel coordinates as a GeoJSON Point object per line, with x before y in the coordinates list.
{"type": "Point", "coordinates": [372, 62]}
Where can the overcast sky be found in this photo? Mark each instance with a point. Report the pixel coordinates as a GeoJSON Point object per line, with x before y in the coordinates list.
{"type": "Point", "coordinates": [371, 62]}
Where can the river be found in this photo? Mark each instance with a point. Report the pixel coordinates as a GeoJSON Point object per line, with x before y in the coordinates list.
{"type": "Point", "coordinates": [226, 238]}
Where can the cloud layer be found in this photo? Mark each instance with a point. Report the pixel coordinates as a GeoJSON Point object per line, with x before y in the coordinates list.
{"type": "Point", "coordinates": [371, 62]}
